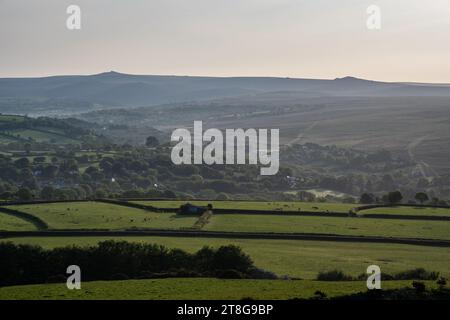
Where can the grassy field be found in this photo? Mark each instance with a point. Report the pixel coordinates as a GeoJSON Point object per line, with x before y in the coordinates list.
{"type": "Point", "coordinates": [40, 136]}
{"type": "Point", "coordinates": [11, 118]}
{"type": "Point", "coordinates": [190, 289]}
{"type": "Point", "coordinates": [330, 225]}
{"type": "Point", "coordinates": [303, 259]}
{"type": "Point", "coordinates": [259, 205]}
{"type": "Point", "coordinates": [408, 211]}
{"type": "Point", "coordinates": [96, 215]}
{"type": "Point", "coordinates": [11, 223]}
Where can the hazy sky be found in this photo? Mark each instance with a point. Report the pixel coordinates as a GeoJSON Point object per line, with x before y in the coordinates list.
{"type": "Point", "coordinates": [288, 38]}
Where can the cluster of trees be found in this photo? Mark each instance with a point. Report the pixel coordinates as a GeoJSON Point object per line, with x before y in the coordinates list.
{"type": "Point", "coordinates": [112, 260]}
{"type": "Point", "coordinates": [97, 168]}
{"type": "Point", "coordinates": [395, 197]}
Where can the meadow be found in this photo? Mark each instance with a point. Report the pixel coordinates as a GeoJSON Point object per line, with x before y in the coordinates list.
{"type": "Point", "coordinates": [11, 223]}
{"type": "Point", "coordinates": [259, 205]}
{"type": "Point", "coordinates": [96, 215]}
{"type": "Point", "coordinates": [193, 289]}
{"type": "Point", "coordinates": [331, 225]}
{"type": "Point", "coordinates": [415, 211]}
{"type": "Point", "coordinates": [295, 258]}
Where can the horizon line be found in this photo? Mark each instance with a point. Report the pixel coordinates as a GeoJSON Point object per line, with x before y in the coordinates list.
{"type": "Point", "coordinates": [223, 77]}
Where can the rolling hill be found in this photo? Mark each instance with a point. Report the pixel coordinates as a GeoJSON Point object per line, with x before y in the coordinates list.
{"type": "Point", "coordinates": [74, 94]}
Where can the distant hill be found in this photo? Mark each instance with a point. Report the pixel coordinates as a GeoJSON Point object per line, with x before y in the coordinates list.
{"type": "Point", "coordinates": [75, 94]}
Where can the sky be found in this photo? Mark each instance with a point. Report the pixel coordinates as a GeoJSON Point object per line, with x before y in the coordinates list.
{"type": "Point", "coordinates": [283, 38]}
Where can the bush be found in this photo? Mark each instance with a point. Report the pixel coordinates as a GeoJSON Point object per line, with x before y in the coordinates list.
{"type": "Point", "coordinates": [319, 295]}
{"type": "Point", "coordinates": [419, 286]}
{"type": "Point", "coordinates": [333, 275]}
{"type": "Point", "coordinates": [120, 276]}
{"type": "Point", "coordinates": [120, 260]}
{"type": "Point", "coordinates": [229, 274]}
{"type": "Point", "coordinates": [231, 257]}
{"type": "Point", "coordinates": [256, 273]}
{"type": "Point", "coordinates": [417, 274]}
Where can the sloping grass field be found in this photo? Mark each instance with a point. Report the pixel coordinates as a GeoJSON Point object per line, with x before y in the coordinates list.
{"type": "Point", "coordinates": [11, 223]}
{"type": "Point", "coordinates": [193, 289]}
{"type": "Point", "coordinates": [295, 258]}
{"type": "Point", "coordinates": [419, 211]}
{"type": "Point", "coordinates": [259, 205]}
{"type": "Point", "coordinates": [300, 259]}
{"type": "Point", "coordinates": [331, 225]}
{"type": "Point", "coordinates": [97, 215]}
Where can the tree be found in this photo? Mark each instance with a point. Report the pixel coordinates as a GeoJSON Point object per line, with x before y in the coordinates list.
{"type": "Point", "coordinates": [47, 193]}
{"type": "Point", "coordinates": [367, 198]}
{"type": "Point", "coordinates": [394, 197]}
{"type": "Point", "coordinates": [421, 197]}
{"type": "Point", "coordinates": [22, 163]}
{"type": "Point", "coordinates": [151, 142]}
{"type": "Point", "coordinates": [24, 194]}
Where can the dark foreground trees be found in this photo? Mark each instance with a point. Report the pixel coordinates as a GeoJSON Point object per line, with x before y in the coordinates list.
{"type": "Point", "coordinates": [111, 260]}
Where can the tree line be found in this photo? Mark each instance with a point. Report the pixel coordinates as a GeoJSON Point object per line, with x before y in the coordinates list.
{"type": "Point", "coordinates": [114, 260]}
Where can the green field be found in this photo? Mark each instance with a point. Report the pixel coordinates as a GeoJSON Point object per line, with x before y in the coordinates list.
{"type": "Point", "coordinates": [419, 211]}
{"type": "Point", "coordinates": [295, 258]}
{"type": "Point", "coordinates": [96, 215]}
{"type": "Point", "coordinates": [259, 205]}
{"type": "Point", "coordinates": [190, 289]}
{"type": "Point", "coordinates": [330, 225]}
{"type": "Point", "coordinates": [41, 136]}
{"type": "Point", "coordinates": [9, 118]}
{"type": "Point", "coordinates": [11, 223]}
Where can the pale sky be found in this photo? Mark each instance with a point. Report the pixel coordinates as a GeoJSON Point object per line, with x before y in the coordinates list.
{"type": "Point", "coordinates": [286, 38]}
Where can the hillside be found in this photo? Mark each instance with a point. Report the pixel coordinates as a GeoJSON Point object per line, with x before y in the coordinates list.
{"type": "Point", "coordinates": [74, 94]}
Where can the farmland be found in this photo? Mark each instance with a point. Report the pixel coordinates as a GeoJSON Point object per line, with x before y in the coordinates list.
{"type": "Point", "coordinates": [260, 205]}
{"type": "Point", "coordinates": [192, 289]}
{"type": "Point", "coordinates": [94, 215]}
{"type": "Point", "coordinates": [298, 259]}
{"type": "Point", "coordinates": [422, 211]}
{"type": "Point", "coordinates": [330, 225]}
{"type": "Point", "coordinates": [295, 258]}
{"type": "Point", "coordinates": [12, 223]}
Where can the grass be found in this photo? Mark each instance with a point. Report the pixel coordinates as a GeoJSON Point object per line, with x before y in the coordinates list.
{"type": "Point", "coordinates": [303, 259]}
{"type": "Point", "coordinates": [41, 136]}
{"type": "Point", "coordinates": [11, 118]}
{"type": "Point", "coordinates": [260, 205]}
{"type": "Point", "coordinates": [11, 223]}
{"type": "Point", "coordinates": [330, 225]}
{"type": "Point", "coordinates": [408, 211]}
{"type": "Point", "coordinates": [190, 289]}
{"type": "Point", "coordinates": [96, 215]}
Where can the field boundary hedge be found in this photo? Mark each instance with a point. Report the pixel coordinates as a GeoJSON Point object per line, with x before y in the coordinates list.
{"type": "Point", "coordinates": [351, 213]}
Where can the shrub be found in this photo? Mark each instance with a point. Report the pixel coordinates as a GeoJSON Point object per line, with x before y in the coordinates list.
{"type": "Point", "coordinates": [120, 276]}
{"type": "Point", "coordinates": [256, 273]}
{"type": "Point", "coordinates": [333, 275]}
{"type": "Point", "coordinates": [319, 295]}
{"type": "Point", "coordinates": [229, 274]}
{"type": "Point", "coordinates": [442, 282]}
{"type": "Point", "coordinates": [417, 274]}
{"type": "Point", "coordinates": [419, 286]}
{"type": "Point", "coordinates": [231, 257]}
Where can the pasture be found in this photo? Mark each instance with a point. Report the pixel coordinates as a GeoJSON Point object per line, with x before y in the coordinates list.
{"type": "Point", "coordinates": [296, 258]}
{"type": "Point", "coordinates": [415, 211]}
{"type": "Point", "coordinates": [331, 225]}
{"type": "Point", "coordinates": [258, 205]}
{"type": "Point", "coordinates": [190, 289]}
{"type": "Point", "coordinates": [96, 215]}
{"type": "Point", "coordinates": [12, 223]}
